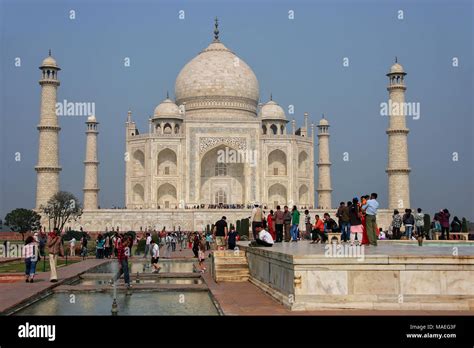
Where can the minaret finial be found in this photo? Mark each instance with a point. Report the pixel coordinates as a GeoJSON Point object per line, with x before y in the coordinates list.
{"type": "Point", "coordinates": [323, 116]}
{"type": "Point", "coordinates": [167, 95]}
{"type": "Point", "coordinates": [49, 52]}
{"type": "Point", "coordinates": [271, 96]}
{"type": "Point", "coordinates": [396, 59]}
{"type": "Point", "coordinates": [216, 30]}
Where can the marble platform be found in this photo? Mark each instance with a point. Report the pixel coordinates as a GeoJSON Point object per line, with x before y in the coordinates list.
{"type": "Point", "coordinates": [394, 275]}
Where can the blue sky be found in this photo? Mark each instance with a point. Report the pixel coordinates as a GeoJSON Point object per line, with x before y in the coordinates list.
{"type": "Point", "coordinates": [299, 61]}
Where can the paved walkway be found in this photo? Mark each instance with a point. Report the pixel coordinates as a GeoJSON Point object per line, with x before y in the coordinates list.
{"type": "Point", "coordinates": [12, 294]}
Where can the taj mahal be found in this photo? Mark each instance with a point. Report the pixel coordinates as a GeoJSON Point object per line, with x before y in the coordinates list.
{"type": "Point", "coordinates": [215, 144]}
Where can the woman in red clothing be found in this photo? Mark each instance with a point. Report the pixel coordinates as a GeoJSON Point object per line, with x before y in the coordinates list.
{"type": "Point", "coordinates": [365, 239]}
{"type": "Point", "coordinates": [271, 225]}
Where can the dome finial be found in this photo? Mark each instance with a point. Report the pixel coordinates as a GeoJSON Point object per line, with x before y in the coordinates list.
{"type": "Point", "coordinates": [396, 59]}
{"type": "Point", "coordinates": [271, 96]}
{"type": "Point", "coordinates": [49, 52]}
{"type": "Point", "coordinates": [167, 95]}
{"type": "Point", "coordinates": [216, 30]}
{"type": "Point", "coordinates": [323, 116]}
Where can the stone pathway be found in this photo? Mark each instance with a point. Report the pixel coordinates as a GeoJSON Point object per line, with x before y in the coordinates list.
{"type": "Point", "coordinates": [12, 294]}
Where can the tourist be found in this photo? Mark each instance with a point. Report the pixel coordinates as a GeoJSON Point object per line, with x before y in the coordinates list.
{"type": "Point", "coordinates": [329, 224]}
{"type": "Point", "coordinates": [396, 224]}
{"type": "Point", "coordinates": [356, 222]}
{"type": "Point", "coordinates": [408, 222]}
{"type": "Point", "coordinates": [419, 223]}
{"type": "Point", "coordinates": [263, 238]}
{"type": "Point", "coordinates": [155, 256]}
{"type": "Point", "coordinates": [147, 244]}
{"type": "Point", "coordinates": [220, 233]}
{"type": "Point", "coordinates": [84, 245]}
{"type": "Point", "coordinates": [307, 223]}
{"type": "Point", "coordinates": [371, 218]}
{"type": "Point", "coordinates": [456, 225]}
{"type": "Point", "coordinates": [30, 253]}
{"type": "Point", "coordinates": [107, 246]}
{"type": "Point", "coordinates": [196, 242]}
{"type": "Point", "coordinates": [116, 240]}
{"type": "Point", "coordinates": [202, 255]}
{"type": "Point", "coordinates": [257, 219]}
{"type": "Point", "coordinates": [444, 221]}
{"type": "Point", "coordinates": [100, 243]}
{"type": "Point", "coordinates": [295, 221]}
{"type": "Point", "coordinates": [318, 231]}
{"type": "Point", "coordinates": [167, 246]}
{"type": "Point", "coordinates": [232, 238]}
{"type": "Point", "coordinates": [363, 201]}
{"type": "Point", "coordinates": [184, 239]}
{"type": "Point", "coordinates": [278, 218]}
{"type": "Point", "coordinates": [271, 224]}
{"type": "Point", "coordinates": [208, 241]}
{"type": "Point", "coordinates": [123, 251]}
{"type": "Point", "coordinates": [42, 240]}
{"type": "Point", "coordinates": [72, 247]}
{"type": "Point", "coordinates": [287, 223]}
{"type": "Point", "coordinates": [344, 223]}
{"type": "Point", "coordinates": [174, 241]}
{"type": "Point", "coordinates": [382, 235]}
{"type": "Point", "coordinates": [55, 248]}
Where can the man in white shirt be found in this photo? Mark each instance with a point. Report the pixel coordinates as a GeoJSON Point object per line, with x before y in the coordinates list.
{"type": "Point", "coordinates": [264, 238]}
{"type": "Point", "coordinates": [155, 256]}
{"type": "Point", "coordinates": [72, 246]}
{"type": "Point", "coordinates": [257, 219]}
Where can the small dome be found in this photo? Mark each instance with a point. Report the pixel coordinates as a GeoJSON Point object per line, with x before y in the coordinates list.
{"type": "Point", "coordinates": [167, 108]}
{"type": "Point", "coordinates": [272, 111]}
{"type": "Point", "coordinates": [49, 62]}
{"type": "Point", "coordinates": [91, 118]}
{"type": "Point", "coordinates": [323, 122]}
{"type": "Point", "coordinates": [396, 69]}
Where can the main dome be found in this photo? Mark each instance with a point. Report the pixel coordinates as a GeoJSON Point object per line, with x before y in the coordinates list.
{"type": "Point", "coordinates": [217, 78]}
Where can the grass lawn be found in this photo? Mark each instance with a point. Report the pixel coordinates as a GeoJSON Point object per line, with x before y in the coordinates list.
{"type": "Point", "coordinates": [19, 266]}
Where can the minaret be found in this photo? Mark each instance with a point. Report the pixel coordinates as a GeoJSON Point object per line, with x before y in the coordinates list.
{"type": "Point", "coordinates": [398, 169]}
{"type": "Point", "coordinates": [91, 164]}
{"type": "Point", "coordinates": [47, 169]}
{"type": "Point", "coordinates": [324, 166]}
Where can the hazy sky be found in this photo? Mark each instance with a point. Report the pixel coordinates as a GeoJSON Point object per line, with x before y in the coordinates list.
{"type": "Point", "coordinates": [300, 61]}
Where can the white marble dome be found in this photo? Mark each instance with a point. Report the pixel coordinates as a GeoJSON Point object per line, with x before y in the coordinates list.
{"type": "Point", "coordinates": [272, 111]}
{"type": "Point", "coordinates": [49, 62]}
{"type": "Point", "coordinates": [167, 108]}
{"type": "Point", "coordinates": [396, 69]}
{"type": "Point", "coordinates": [323, 122]}
{"type": "Point", "coordinates": [91, 118]}
{"type": "Point", "coordinates": [219, 77]}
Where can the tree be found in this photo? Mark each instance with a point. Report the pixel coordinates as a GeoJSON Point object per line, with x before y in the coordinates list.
{"type": "Point", "coordinates": [23, 220]}
{"type": "Point", "coordinates": [61, 208]}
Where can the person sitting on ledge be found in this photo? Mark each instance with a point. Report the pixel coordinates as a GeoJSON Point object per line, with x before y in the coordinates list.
{"type": "Point", "coordinates": [318, 231]}
{"type": "Point", "coordinates": [264, 238]}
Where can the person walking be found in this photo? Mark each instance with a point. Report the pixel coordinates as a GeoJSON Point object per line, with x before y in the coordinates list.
{"type": "Point", "coordinates": [295, 221]}
{"type": "Point", "coordinates": [123, 252]}
{"type": "Point", "coordinates": [278, 218]}
{"type": "Point", "coordinates": [286, 223]}
{"type": "Point", "coordinates": [371, 218]}
{"type": "Point", "coordinates": [174, 240]}
{"type": "Point", "coordinates": [155, 256]}
{"type": "Point", "coordinates": [408, 222]}
{"type": "Point", "coordinates": [196, 242]}
{"type": "Point", "coordinates": [220, 233]}
{"type": "Point", "coordinates": [72, 247]}
{"type": "Point", "coordinates": [147, 244]}
{"type": "Point", "coordinates": [257, 219]}
{"type": "Point", "coordinates": [100, 244]}
{"type": "Point", "coordinates": [30, 253]}
{"type": "Point", "coordinates": [232, 238]}
{"type": "Point", "coordinates": [107, 246]}
{"type": "Point", "coordinates": [55, 249]}
{"type": "Point", "coordinates": [396, 224]}
{"type": "Point", "coordinates": [444, 222]}
{"type": "Point", "coordinates": [84, 245]}
{"type": "Point", "coordinates": [208, 241]}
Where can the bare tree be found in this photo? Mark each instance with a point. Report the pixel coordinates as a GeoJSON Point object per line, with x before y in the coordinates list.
{"type": "Point", "coordinates": [61, 208]}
